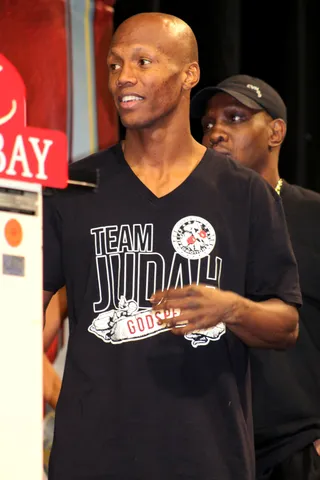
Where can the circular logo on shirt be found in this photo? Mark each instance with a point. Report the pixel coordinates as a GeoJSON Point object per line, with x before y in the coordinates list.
{"type": "Point", "coordinates": [193, 237]}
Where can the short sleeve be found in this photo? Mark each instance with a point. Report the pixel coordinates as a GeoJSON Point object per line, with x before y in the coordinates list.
{"type": "Point", "coordinates": [272, 270]}
{"type": "Point", "coordinates": [53, 277]}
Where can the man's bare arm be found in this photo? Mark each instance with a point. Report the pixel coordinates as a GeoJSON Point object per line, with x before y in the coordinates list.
{"type": "Point", "coordinates": [51, 383]}
{"type": "Point", "coordinates": [56, 311]}
{"type": "Point", "coordinates": [46, 297]}
{"type": "Point", "coordinates": [268, 324]}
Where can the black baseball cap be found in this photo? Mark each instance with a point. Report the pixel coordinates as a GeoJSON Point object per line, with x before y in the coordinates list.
{"type": "Point", "coordinates": [250, 91]}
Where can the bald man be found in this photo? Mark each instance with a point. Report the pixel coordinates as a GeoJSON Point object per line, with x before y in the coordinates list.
{"type": "Point", "coordinates": [177, 263]}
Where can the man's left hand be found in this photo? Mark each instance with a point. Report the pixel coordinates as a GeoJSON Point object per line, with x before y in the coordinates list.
{"type": "Point", "coordinates": [200, 307]}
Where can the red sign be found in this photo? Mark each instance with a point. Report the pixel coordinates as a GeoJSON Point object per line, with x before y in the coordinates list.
{"type": "Point", "coordinates": [27, 154]}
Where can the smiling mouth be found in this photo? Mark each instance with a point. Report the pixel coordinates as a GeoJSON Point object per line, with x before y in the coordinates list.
{"type": "Point", "coordinates": [129, 101]}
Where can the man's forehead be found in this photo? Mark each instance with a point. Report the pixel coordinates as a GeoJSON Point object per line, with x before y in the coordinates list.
{"type": "Point", "coordinates": [155, 33]}
{"type": "Point", "coordinates": [134, 49]}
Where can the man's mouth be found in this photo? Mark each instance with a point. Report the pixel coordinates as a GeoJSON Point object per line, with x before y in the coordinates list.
{"type": "Point", "coordinates": [218, 148]}
{"type": "Point", "coordinates": [129, 101]}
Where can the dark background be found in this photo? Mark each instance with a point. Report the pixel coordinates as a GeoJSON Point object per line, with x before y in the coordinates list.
{"type": "Point", "coordinates": [275, 40]}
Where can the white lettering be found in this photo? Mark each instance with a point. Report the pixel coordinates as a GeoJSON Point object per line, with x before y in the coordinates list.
{"type": "Point", "coordinates": [3, 159]}
{"type": "Point", "coordinates": [112, 239]}
{"type": "Point", "coordinates": [40, 156]}
{"type": "Point", "coordinates": [19, 155]}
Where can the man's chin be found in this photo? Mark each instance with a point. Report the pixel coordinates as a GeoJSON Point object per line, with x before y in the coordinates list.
{"type": "Point", "coordinates": [135, 124]}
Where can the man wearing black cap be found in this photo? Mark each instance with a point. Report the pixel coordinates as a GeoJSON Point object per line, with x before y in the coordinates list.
{"type": "Point", "coordinates": [245, 118]}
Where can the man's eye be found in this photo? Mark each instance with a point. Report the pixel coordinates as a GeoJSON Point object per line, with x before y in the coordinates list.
{"type": "Point", "coordinates": [144, 61]}
{"type": "Point", "coordinates": [207, 126]}
{"type": "Point", "coordinates": [236, 118]}
{"type": "Point", "coordinates": [114, 66]}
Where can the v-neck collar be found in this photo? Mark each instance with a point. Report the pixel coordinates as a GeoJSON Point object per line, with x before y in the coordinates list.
{"type": "Point", "coordinates": [144, 191]}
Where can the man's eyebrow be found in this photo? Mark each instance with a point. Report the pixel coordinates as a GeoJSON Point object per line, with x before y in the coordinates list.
{"type": "Point", "coordinates": [136, 49]}
{"type": "Point", "coordinates": [112, 53]}
{"type": "Point", "coordinates": [205, 118]}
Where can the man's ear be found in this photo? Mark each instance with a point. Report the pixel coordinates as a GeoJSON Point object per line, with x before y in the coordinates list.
{"type": "Point", "coordinates": [278, 130]}
{"type": "Point", "coordinates": [192, 76]}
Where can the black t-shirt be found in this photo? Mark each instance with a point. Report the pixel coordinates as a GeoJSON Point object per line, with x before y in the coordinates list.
{"type": "Point", "coordinates": [286, 385]}
{"type": "Point", "coordinates": [138, 402]}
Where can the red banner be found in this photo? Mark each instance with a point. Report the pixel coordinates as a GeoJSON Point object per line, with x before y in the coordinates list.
{"type": "Point", "coordinates": [27, 154]}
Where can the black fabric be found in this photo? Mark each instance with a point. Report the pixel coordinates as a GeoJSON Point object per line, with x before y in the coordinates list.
{"type": "Point", "coordinates": [138, 402]}
{"type": "Point", "coordinates": [302, 211]}
{"type": "Point", "coordinates": [250, 91]}
{"type": "Point", "coordinates": [286, 385]}
{"type": "Point", "coordinates": [303, 465]}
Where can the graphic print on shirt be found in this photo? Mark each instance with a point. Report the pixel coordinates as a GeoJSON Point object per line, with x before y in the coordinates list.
{"type": "Point", "coordinates": [129, 271]}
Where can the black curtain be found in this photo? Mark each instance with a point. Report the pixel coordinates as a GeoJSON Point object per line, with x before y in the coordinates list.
{"type": "Point", "coordinates": [276, 41]}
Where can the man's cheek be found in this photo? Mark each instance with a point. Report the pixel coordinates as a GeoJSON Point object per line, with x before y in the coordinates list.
{"type": "Point", "coordinates": [206, 141]}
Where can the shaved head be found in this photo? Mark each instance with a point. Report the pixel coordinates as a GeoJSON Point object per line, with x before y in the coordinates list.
{"type": "Point", "coordinates": [153, 65]}
{"type": "Point", "coordinates": [174, 36]}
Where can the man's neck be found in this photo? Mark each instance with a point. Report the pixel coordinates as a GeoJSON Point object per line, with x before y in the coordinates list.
{"type": "Point", "coordinates": [162, 166]}
{"type": "Point", "coordinates": [160, 150]}
{"type": "Point", "coordinates": [271, 176]}
{"type": "Point", "coordinates": [269, 168]}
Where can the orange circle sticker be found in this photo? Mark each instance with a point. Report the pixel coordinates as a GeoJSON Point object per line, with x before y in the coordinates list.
{"type": "Point", "coordinates": [13, 232]}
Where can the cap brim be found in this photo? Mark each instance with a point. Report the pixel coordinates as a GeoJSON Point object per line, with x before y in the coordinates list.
{"type": "Point", "coordinates": [199, 101]}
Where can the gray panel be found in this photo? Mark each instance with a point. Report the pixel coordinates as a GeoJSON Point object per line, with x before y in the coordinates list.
{"type": "Point", "coordinates": [13, 265]}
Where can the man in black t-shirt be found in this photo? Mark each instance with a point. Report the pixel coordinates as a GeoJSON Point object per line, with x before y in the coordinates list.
{"type": "Point", "coordinates": [173, 266]}
{"type": "Point", "coordinates": [245, 118]}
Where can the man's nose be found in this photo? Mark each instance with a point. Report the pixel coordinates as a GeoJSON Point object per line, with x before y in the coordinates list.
{"type": "Point", "coordinates": [126, 76]}
{"type": "Point", "coordinates": [217, 134]}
